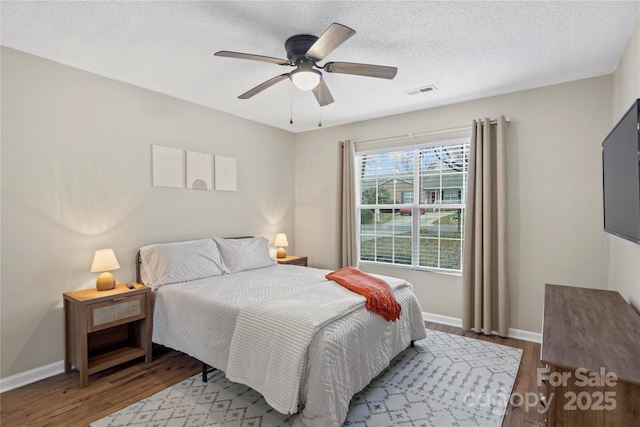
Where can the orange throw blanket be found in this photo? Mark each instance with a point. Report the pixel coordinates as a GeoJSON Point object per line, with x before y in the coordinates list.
{"type": "Point", "coordinates": [378, 293]}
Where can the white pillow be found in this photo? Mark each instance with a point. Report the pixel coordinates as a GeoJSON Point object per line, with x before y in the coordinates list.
{"type": "Point", "coordinates": [245, 254]}
{"type": "Point", "coordinates": [167, 263]}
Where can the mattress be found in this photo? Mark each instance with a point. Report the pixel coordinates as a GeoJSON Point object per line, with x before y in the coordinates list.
{"type": "Point", "coordinates": [198, 318]}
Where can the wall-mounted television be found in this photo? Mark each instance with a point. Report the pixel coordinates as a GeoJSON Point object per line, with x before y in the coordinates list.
{"type": "Point", "coordinates": [621, 176]}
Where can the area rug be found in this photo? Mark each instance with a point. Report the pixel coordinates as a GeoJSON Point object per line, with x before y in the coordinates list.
{"type": "Point", "coordinates": [445, 380]}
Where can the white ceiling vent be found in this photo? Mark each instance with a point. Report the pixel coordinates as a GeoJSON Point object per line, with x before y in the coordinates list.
{"type": "Point", "coordinates": [418, 90]}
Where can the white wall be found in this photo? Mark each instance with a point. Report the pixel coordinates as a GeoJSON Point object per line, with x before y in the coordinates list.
{"type": "Point", "coordinates": [76, 177]}
{"type": "Point", "coordinates": [624, 256]}
{"type": "Point", "coordinates": [555, 194]}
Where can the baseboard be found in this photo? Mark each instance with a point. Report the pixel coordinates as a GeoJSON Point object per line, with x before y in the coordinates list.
{"type": "Point", "coordinates": [445, 320]}
{"type": "Point", "coordinates": [31, 376]}
{"type": "Point", "coordinates": [454, 321]}
{"type": "Point", "coordinates": [525, 335]}
{"type": "Point", "coordinates": [55, 368]}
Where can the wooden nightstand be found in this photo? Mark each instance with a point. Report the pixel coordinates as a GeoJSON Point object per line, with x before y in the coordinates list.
{"type": "Point", "coordinates": [293, 260]}
{"type": "Point", "coordinates": [106, 328]}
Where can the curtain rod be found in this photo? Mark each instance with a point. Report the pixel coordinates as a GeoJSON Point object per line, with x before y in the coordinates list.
{"type": "Point", "coordinates": [431, 132]}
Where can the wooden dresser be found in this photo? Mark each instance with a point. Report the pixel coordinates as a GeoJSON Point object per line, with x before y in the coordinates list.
{"type": "Point", "coordinates": [589, 338]}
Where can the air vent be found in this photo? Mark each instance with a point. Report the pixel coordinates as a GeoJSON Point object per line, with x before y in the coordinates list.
{"type": "Point", "coordinates": [419, 90]}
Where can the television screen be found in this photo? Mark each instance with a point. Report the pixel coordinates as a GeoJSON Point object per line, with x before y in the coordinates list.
{"type": "Point", "coordinates": [621, 177]}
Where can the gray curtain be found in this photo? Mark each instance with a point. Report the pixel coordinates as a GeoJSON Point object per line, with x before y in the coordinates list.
{"type": "Point", "coordinates": [348, 205]}
{"type": "Point", "coordinates": [485, 281]}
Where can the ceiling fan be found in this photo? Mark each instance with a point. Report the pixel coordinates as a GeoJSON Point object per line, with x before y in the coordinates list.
{"type": "Point", "coordinates": [304, 52]}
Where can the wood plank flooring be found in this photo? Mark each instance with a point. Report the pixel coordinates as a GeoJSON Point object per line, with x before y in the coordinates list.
{"type": "Point", "coordinates": [58, 400]}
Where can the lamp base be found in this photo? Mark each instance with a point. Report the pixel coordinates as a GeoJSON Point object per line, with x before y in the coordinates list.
{"type": "Point", "coordinates": [281, 253]}
{"type": "Point", "coordinates": [105, 281]}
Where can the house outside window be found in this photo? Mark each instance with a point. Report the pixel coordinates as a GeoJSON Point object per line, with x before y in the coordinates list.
{"type": "Point", "coordinates": [423, 232]}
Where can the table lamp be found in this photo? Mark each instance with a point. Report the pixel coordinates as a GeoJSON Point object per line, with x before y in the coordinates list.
{"type": "Point", "coordinates": [104, 260]}
{"type": "Point", "coordinates": [281, 242]}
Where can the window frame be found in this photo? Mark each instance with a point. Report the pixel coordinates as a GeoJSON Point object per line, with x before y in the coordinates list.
{"type": "Point", "coordinates": [416, 206]}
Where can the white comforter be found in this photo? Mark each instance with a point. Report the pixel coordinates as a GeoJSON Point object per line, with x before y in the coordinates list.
{"type": "Point", "coordinates": [199, 318]}
{"type": "Point", "coordinates": [282, 327]}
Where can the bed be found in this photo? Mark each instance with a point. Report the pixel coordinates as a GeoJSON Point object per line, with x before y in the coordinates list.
{"type": "Point", "coordinates": [227, 303]}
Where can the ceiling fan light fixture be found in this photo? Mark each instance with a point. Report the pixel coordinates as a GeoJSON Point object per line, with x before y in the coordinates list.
{"type": "Point", "coordinates": [305, 78]}
{"type": "Point", "coordinates": [303, 53]}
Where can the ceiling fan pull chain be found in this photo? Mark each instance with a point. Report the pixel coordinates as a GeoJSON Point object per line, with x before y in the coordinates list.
{"type": "Point", "coordinates": [291, 103]}
{"type": "Point", "coordinates": [320, 110]}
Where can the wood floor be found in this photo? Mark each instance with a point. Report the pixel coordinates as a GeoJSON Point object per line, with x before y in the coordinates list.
{"type": "Point", "coordinates": [58, 400]}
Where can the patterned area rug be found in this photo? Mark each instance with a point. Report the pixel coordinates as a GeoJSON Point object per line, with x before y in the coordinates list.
{"type": "Point", "coordinates": [446, 380]}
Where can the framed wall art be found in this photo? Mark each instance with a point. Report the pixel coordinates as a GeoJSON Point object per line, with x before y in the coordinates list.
{"type": "Point", "coordinates": [199, 171]}
{"type": "Point", "coordinates": [225, 173]}
{"type": "Point", "coordinates": [167, 165]}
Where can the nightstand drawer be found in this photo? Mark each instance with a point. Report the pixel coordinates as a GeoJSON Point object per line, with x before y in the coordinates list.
{"type": "Point", "coordinates": [117, 311]}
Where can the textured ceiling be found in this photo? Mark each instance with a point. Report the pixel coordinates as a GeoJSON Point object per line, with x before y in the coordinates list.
{"type": "Point", "coordinates": [468, 50]}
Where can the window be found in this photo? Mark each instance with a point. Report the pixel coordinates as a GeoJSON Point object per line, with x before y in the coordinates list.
{"type": "Point", "coordinates": [412, 205]}
{"type": "Point", "coordinates": [407, 197]}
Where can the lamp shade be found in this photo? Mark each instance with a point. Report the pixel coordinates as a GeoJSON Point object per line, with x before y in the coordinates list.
{"type": "Point", "coordinates": [281, 240]}
{"type": "Point", "coordinates": [305, 79]}
{"type": "Point", "coordinates": [104, 260]}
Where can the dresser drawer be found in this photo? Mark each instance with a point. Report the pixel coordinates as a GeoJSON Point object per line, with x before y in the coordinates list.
{"type": "Point", "coordinates": [119, 310]}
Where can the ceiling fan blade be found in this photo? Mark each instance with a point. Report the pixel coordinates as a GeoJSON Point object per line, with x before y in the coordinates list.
{"type": "Point", "coordinates": [332, 37]}
{"type": "Point", "coordinates": [238, 55]}
{"type": "Point", "coordinates": [379, 71]}
{"type": "Point", "coordinates": [322, 93]}
{"type": "Point", "coordinates": [256, 90]}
